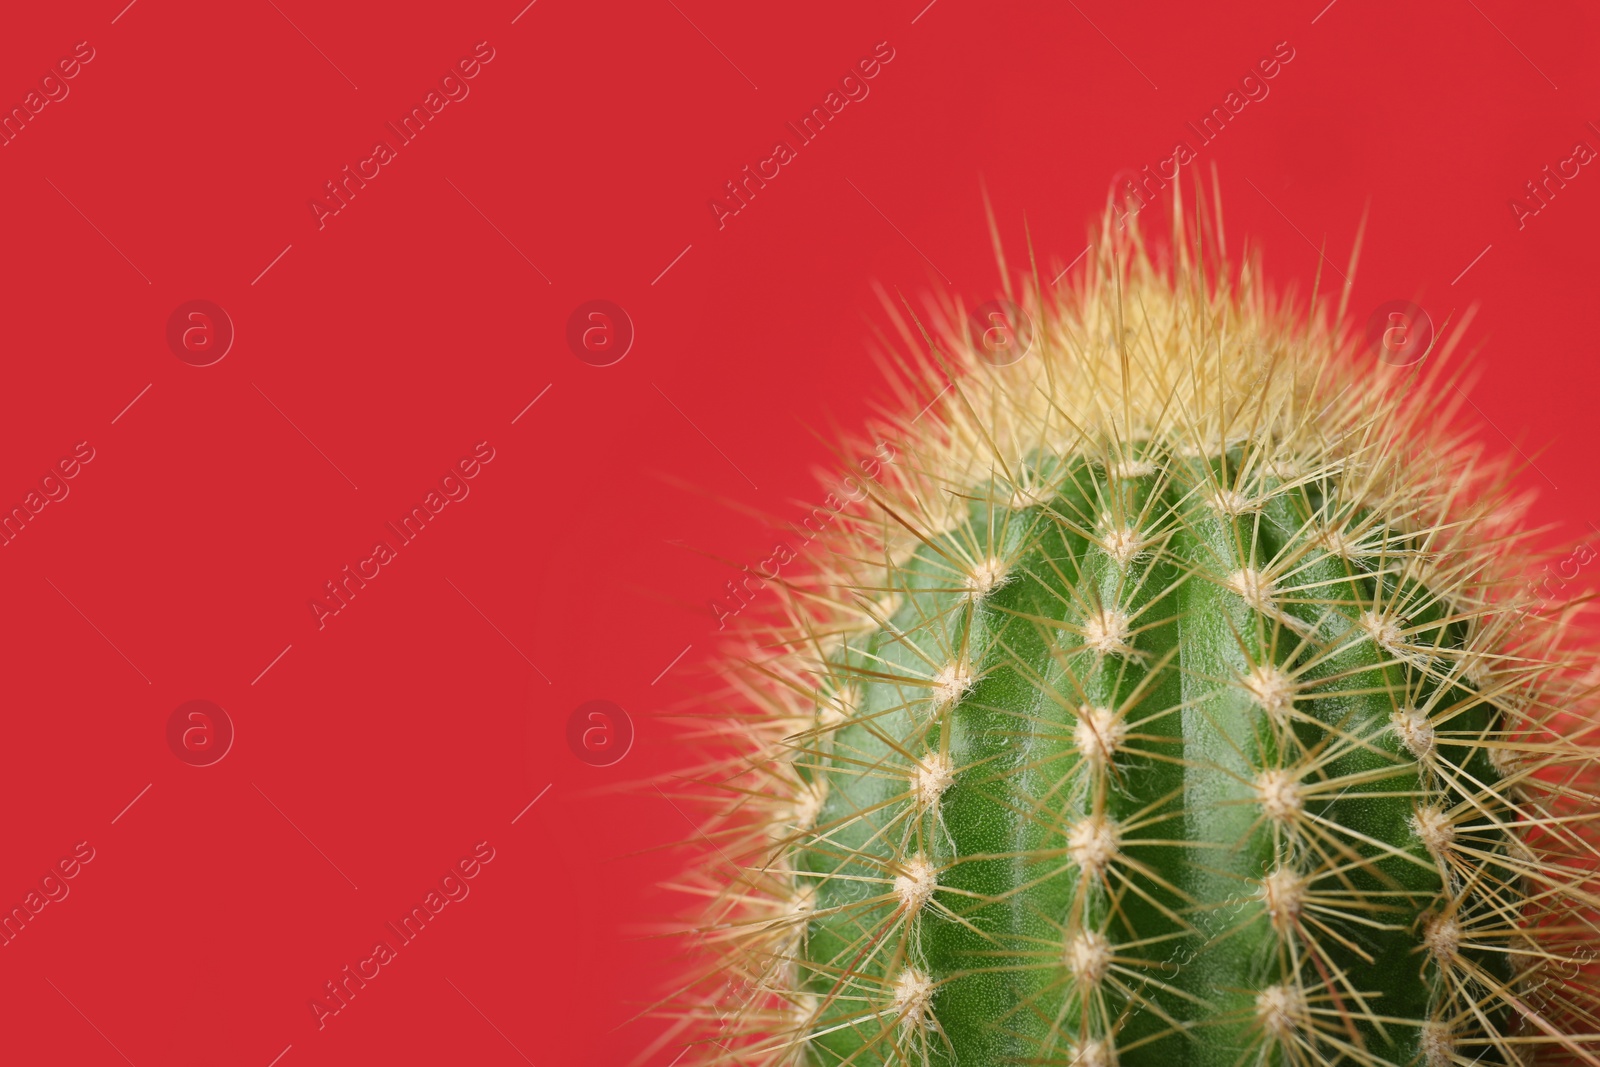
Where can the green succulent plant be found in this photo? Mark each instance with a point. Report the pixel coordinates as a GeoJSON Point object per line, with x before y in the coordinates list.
{"type": "Point", "coordinates": [1164, 703]}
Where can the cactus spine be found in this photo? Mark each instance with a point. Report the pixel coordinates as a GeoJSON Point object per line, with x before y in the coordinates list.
{"type": "Point", "coordinates": [1164, 706]}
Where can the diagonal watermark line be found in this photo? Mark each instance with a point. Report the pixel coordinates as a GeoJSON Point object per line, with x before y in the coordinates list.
{"type": "Point", "coordinates": [673, 664]}
{"type": "Point", "coordinates": [932, 402]}
{"type": "Point", "coordinates": [501, 632]}
{"type": "Point", "coordinates": [695, 826]}
{"type": "Point", "coordinates": [99, 631]}
{"type": "Point", "coordinates": [132, 402]}
{"type": "Point", "coordinates": [713, 44]}
{"type": "Point", "coordinates": [90, 1021]}
{"type": "Point", "coordinates": [274, 263]}
{"type": "Point", "coordinates": [490, 1021]}
{"type": "Point", "coordinates": [302, 833]}
{"type": "Point", "coordinates": [313, 44]}
{"type": "Point", "coordinates": [531, 803]}
{"type": "Point", "coordinates": [709, 441]}
{"type": "Point", "coordinates": [271, 665]}
{"type": "Point", "coordinates": [1502, 433]}
{"type": "Point", "coordinates": [101, 232]}
{"type": "Point", "coordinates": [918, 15]}
{"type": "Point", "coordinates": [1513, 44]}
{"type": "Point", "coordinates": [280, 1056]}
{"type": "Point", "coordinates": [1297, 230]}
{"type": "Point", "coordinates": [1324, 11]}
{"type": "Point", "coordinates": [1069, 266]}
{"type": "Point", "coordinates": [309, 441]}
{"type": "Point", "coordinates": [124, 11]}
{"type": "Point", "coordinates": [501, 232]}
{"type": "Point", "coordinates": [131, 803]}
{"type": "Point", "coordinates": [674, 263]}
{"type": "Point", "coordinates": [899, 231]}
{"type": "Point", "coordinates": [1474, 262]}
{"type": "Point", "coordinates": [524, 11]}
{"type": "Point", "coordinates": [1113, 44]}
{"type": "Point", "coordinates": [532, 402]}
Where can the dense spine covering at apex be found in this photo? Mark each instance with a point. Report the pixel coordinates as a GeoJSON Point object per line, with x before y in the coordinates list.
{"type": "Point", "coordinates": [1168, 703]}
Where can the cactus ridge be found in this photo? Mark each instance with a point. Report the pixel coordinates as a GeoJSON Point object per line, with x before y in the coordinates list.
{"type": "Point", "coordinates": [1165, 705]}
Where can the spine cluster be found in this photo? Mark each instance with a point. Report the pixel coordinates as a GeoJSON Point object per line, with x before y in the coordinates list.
{"type": "Point", "coordinates": [1165, 705]}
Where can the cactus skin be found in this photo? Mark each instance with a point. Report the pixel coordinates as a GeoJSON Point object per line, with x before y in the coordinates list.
{"type": "Point", "coordinates": [1166, 710]}
{"type": "Point", "coordinates": [1075, 794]}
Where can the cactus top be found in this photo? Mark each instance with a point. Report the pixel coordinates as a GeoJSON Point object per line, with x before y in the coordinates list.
{"type": "Point", "coordinates": [1162, 707]}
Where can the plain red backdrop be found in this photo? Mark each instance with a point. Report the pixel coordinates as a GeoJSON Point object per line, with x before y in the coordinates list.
{"type": "Point", "coordinates": [376, 351]}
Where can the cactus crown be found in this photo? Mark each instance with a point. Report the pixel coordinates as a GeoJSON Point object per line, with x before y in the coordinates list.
{"type": "Point", "coordinates": [1162, 704]}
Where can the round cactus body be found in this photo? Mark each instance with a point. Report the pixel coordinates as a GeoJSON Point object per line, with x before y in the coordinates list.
{"type": "Point", "coordinates": [1162, 704]}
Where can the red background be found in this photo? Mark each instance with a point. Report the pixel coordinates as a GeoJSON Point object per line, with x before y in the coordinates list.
{"type": "Point", "coordinates": [411, 327]}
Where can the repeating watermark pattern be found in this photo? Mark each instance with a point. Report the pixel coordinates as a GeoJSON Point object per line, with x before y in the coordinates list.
{"type": "Point", "coordinates": [199, 733]}
{"type": "Point", "coordinates": [1540, 191]}
{"type": "Point", "coordinates": [849, 491]}
{"type": "Point", "coordinates": [853, 88]}
{"type": "Point", "coordinates": [599, 732]}
{"type": "Point", "coordinates": [453, 488]}
{"type": "Point", "coordinates": [453, 888]}
{"type": "Point", "coordinates": [1399, 332]}
{"type": "Point", "coordinates": [1254, 88]}
{"type": "Point", "coordinates": [52, 889]}
{"type": "Point", "coordinates": [199, 332]}
{"type": "Point", "coordinates": [743, 593]}
{"type": "Point", "coordinates": [599, 332]}
{"type": "Point", "coordinates": [1136, 189]}
{"type": "Point", "coordinates": [453, 88]}
{"type": "Point", "coordinates": [1541, 587]}
{"type": "Point", "coordinates": [53, 89]}
{"type": "Point", "coordinates": [52, 489]}
{"type": "Point", "coordinates": [1001, 332]}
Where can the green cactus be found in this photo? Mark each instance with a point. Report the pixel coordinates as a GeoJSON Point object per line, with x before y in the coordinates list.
{"type": "Point", "coordinates": [1163, 704]}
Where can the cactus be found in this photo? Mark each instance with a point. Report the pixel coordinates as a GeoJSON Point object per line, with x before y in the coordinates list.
{"type": "Point", "coordinates": [1167, 701]}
